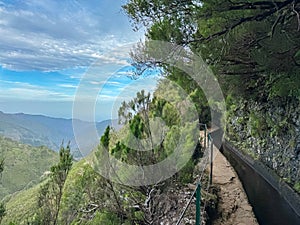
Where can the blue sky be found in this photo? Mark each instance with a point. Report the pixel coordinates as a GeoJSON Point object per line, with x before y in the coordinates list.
{"type": "Point", "coordinates": [48, 48]}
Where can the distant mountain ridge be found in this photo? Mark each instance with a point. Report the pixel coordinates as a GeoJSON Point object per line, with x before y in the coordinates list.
{"type": "Point", "coordinates": [39, 130]}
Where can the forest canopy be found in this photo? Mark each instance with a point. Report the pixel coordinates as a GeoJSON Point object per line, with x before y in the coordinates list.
{"type": "Point", "coordinates": [252, 46]}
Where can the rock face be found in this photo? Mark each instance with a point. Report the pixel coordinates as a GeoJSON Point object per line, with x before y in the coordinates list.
{"type": "Point", "coordinates": [269, 132]}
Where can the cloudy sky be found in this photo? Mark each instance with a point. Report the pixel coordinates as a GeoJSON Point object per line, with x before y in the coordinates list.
{"type": "Point", "coordinates": [55, 51]}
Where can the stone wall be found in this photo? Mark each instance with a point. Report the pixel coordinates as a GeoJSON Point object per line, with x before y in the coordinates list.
{"type": "Point", "coordinates": [268, 132]}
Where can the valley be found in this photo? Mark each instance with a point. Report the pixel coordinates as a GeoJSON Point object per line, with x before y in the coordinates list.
{"type": "Point", "coordinates": [38, 130]}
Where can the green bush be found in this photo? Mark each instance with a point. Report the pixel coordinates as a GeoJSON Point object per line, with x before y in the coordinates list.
{"type": "Point", "coordinates": [257, 124]}
{"type": "Point", "coordinates": [105, 218]}
{"type": "Point", "coordinates": [284, 85]}
{"type": "Point", "coordinates": [186, 174]}
{"type": "Point", "coordinates": [139, 215]}
{"type": "Point", "coordinates": [297, 187]}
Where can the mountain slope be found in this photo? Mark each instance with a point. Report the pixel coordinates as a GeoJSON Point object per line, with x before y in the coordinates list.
{"type": "Point", "coordinates": [21, 206]}
{"type": "Point", "coordinates": [23, 165]}
{"type": "Point", "coordinates": [38, 130]}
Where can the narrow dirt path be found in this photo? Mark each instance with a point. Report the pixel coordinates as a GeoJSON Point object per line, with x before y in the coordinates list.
{"type": "Point", "coordinates": [234, 208]}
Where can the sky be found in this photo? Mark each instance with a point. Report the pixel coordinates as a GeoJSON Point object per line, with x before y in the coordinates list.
{"type": "Point", "coordinates": [55, 52]}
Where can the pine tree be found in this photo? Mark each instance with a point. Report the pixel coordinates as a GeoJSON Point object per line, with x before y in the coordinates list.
{"type": "Point", "coordinates": [1, 166]}
{"type": "Point", "coordinates": [105, 138]}
{"type": "Point", "coordinates": [51, 192]}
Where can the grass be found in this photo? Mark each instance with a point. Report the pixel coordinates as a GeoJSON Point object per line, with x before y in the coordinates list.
{"type": "Point", "coordinates": [21, 206]}
{"type": "Point", "coordinates": [23, 165]}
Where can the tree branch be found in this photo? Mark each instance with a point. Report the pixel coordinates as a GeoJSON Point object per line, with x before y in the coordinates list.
{"type": "Point", "coordinates": [247, 73]}
{"type": "Point", "coordinates": [297, 14]}
{"type": "Point", "coordinates": [275, 24]}
{"type": "Point", "coordinates": [263, 5]}
{"type": "Point", "coordinates": [258, 17]}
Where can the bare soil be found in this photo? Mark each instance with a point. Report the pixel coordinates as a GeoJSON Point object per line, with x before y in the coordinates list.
{"type": "Point", "coordinates": [233, 206]}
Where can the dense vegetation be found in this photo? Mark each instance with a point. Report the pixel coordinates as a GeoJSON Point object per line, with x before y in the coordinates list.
{"type": "Point", "coordinates": [41, 203]}
{"type": "Point", "coordinates": [21, 167]}
{"type": "Point", "coordinates": [252, 46]}
{"type": "Point", "coordinates": [24, 163]}
{"type": "Point", "coordinates": [108, 202]}
{"type": "Point", "coordinates": [80, 195]}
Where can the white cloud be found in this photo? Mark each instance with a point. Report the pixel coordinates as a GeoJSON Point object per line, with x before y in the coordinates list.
{"type": "Point", "coordinates": [125, 73]}
{"type": "Point", "coordinates": [25, 91]}
{"type": "Point", "coordinates": [33, 94]}
{"type": "Point", "coordinates": [87, 42]}
{"type": "Point", "coordinates": [67, 85]}
{"type": "Point", "coordinates": [97, 82]}
{"type": "Point", "coordinates": [53, 35]}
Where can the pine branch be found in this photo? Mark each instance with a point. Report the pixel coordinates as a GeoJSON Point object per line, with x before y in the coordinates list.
{"type": "Point", "coordinates": [261, 5]}
{"type": "Point", "coordinates": [258, 17]}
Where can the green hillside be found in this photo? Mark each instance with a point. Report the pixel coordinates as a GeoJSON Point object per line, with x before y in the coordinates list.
{"type": "Point", "coordinates": [21, 205]}
{"type": "Point", "coordinates": [23, 166]}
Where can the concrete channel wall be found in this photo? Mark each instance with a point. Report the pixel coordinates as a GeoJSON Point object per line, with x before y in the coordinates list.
{"type": "Point", "coordinates": [273, 200]}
